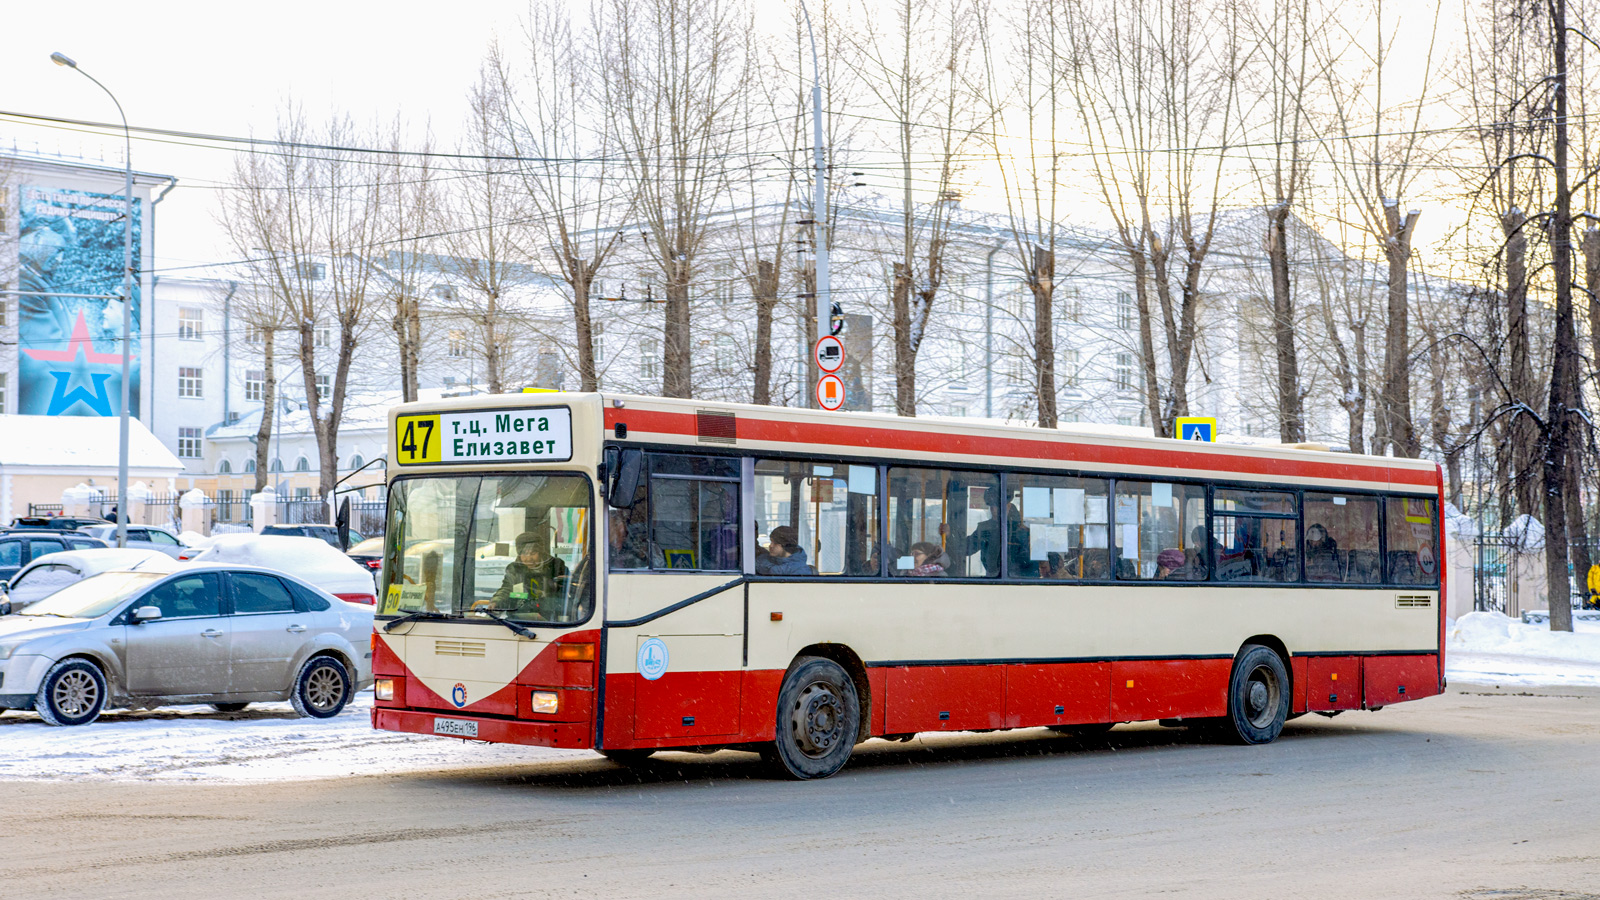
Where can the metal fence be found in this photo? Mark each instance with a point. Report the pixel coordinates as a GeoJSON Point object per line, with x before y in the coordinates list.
{"type": "Point", "coordinates": [1494, 576]}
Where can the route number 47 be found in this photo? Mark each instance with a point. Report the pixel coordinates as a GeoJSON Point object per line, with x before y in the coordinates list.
{"type": "Point", "coordinates": [419, 439]}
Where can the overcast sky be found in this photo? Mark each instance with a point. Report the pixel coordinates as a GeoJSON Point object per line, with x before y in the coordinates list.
{"type": "Point", "coordinates": [226, 69]}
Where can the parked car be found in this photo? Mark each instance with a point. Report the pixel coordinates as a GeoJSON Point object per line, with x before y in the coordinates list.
{"type": "Point", "coordinates": [141, 537]}
{"type": "Point", "coordinates": [322, 532]}
{"type": "Point", "coordinates": [56, 523]}
{"type": "Point", "coordinates": [369, 555]}
{"type": "Point", "coordinates": [303, 557]}
{"type": "Point", "coordinates": [224, 635]}
{"type": "Point", "coordinates": [18, 548]}
{"type": "Point", "coordinates": [52, 572]}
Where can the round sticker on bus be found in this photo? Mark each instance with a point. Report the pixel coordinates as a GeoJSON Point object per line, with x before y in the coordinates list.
{"type": "Point", "coordinates": [652, 659]}
{"type": "Point", "coordinates": [458, 696]}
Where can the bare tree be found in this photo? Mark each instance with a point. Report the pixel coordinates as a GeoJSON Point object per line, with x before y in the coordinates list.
{"type": "Point", "coordinates": [1153, 82]}
{"type": "Point", "coordinates": [311, 204]}
{"type": "Point", "coordinates": [412, 214]}
{"type": "Point", "coordinates": [1025, 105]}
{"type": "Point", "coordinates": [926, 74]}
{"type": "Point", "coordinates": [674, 70]}
{"type": "Point", "coordinates": [1377, 173]}
{"type": "Point", "coordinates": [554, 121]}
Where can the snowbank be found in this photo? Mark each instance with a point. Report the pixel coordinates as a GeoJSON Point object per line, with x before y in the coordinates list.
{"type": "Point", "coordinates": [1489, 648]}
{"type": "Point", "coordinates": [266, 742]}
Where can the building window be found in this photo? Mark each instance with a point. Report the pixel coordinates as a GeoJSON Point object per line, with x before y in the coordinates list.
{"type": "Point", "coordinates": [189, 443]}
{"type": "Point", "coordinates": [1071, 303]}
{"type": "Point", "coordinates": [302, 493]}
{"type": "Point", "coordinates": [5, 303]}
{"type": "Point", "coordinates": [276, 466]}
{"type": "Point", "coordinates": [649, 358]}
{"type": "Point", "coordinates": [2, 393]}
{"type": "Point", "coordinates": [458, 344]}
{"type": "Point", "coordinates": [726, 353]}
{"type": "Point", "coordinates": [255, 334]}
{"type": "Point", "coordinates": [443, 292]}
{"type": "Point", "coordinates": [597, 335]}
{"type": "Point", "coordinates": [190, 323]}
{"type": "Point", "coordinates": [357, 462]}
{"type": "Point", "coordinates": [324, 335]}
{"type": "Point", "coordinates": [189, 382]}
{"type": "Point", "coordinates": [313, 270]}
{"type": "Point", "coordinates": [225, 468]}
{"type": "Point", "coordinates": [255, 382]}
{"type": "Point", "coordinates": [1127, 314]}
{"type": "Point", "coordinates": [250, 466]}
{"type": "Point", "coordinates": [302, 465]}
{"type": "Point", "coordinates": [324, 387]}
{"type": "Point", "coordinates": [1124, 372]}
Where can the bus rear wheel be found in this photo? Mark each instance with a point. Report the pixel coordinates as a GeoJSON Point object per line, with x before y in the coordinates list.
{"type": "Point", "coordinates": [1258, 697]}
{"type": "Point", "coordinates": [819, 714]}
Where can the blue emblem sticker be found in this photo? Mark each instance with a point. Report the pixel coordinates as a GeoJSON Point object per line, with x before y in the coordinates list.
{"type": "Point", "coordinates": [458, 696]}
{"type": "Point", "coordinates": [652, 659]}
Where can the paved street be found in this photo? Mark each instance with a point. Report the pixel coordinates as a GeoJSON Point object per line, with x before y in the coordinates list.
{"type": "Point", "coordinates": [1482, 793]}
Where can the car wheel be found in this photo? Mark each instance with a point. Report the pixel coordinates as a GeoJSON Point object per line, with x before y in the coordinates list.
{"type": "Point", "coordinates": [73, 693]}
{"type": "Point", "coordinates": [228, 707]}
{"type": "Point", "coordinates": [818, 717]}
{"type": "Point", "coordinates": [1258, 697]}
{"type": "Point", "coordinates": [629, 758]}
{"type": "Point", "coordinates": [322, 688]}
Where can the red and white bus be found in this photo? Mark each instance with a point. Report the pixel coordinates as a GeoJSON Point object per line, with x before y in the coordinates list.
{"type": "Point", "coordinates": [631, 574]}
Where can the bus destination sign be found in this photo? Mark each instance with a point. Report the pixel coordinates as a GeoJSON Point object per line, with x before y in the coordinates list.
{"type": "Point", "coordinates": [484, 436]}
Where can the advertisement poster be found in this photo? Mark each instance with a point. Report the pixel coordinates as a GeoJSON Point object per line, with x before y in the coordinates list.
{"type": "Point", "coordinates": [71, 242]}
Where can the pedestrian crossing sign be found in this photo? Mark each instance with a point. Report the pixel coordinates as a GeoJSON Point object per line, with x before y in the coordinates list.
{"type": "Point", "coordinates": [1197, 428]}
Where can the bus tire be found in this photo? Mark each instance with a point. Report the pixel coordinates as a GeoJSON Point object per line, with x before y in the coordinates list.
{"type": "Point", "coordinates": [818, 717]}
{"type": "Point", "coordinates": [629, 758]}
{"type": "Point", "coordinates": [1258, 697]}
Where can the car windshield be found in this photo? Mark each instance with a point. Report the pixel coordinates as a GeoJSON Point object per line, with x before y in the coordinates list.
{"type": "Point", "coordinates": [93, 597]}
{"type": "Point", "coordinates": [517, 546]}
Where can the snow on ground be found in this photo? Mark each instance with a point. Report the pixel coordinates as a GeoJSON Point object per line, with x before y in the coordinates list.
{"type": "Point", "coordinates": [1489, 648]}
{"type": "Point", "coordinates": [266, 742]}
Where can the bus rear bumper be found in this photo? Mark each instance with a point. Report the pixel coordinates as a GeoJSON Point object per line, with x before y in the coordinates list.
{"type": "Point", "coordinates": [571, 735]}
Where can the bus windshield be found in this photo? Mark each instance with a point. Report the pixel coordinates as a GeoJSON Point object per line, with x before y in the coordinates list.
{"type": "Point", "coordinates": [511, 546]}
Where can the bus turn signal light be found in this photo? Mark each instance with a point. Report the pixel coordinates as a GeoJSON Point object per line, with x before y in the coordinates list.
{"type": "Point", "coordinates": [575, 653]}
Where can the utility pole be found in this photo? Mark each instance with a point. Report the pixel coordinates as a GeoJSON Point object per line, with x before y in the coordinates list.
{"type": "Point", "coordinates": [819, 188]}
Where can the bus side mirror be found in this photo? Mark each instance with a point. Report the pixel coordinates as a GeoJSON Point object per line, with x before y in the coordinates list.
{"type": "Point", "coordinates": [623, 469]}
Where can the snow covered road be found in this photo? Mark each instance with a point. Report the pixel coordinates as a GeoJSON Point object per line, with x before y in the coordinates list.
{"type": "Point", "coordinates": [267, 743]}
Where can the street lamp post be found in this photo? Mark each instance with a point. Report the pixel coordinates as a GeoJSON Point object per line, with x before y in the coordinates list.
{"type": "Point", "coordinates": [62, 59]}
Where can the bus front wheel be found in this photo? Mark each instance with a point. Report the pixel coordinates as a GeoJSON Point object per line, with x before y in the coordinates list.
{"type": "Point", "coordinates": [1258, 696]}
{"type": "Point", "coordinates": [818, 717]}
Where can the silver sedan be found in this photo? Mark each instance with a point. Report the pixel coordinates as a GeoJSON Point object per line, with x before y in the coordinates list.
{"type": "Point", "coordinates": [224, 635]}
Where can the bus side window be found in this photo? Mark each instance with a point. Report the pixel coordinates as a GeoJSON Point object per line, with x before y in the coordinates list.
{"type": "Point", "coordinates": [1161, 531]}
{"type": "Point", "coordinates": [815, 518]}
{"type": "Point", "coordinates": [1341, 539]}
{"type": "Point", "coordinates": [1056, 529]}
{"type": "Point", "coordinates": [694, 512]}
{"type": "Point", "coordinates": [936, 523]}
{"type": "Point", "coordinates": [1256, 536]}
{"type": "Point", "coordinates": [1412, 528]}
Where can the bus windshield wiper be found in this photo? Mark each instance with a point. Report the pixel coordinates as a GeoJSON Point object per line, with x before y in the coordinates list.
{"type": "Point", "coordinates": [509, 624]}
{"type": "Point", "coordinates": [412, 617]}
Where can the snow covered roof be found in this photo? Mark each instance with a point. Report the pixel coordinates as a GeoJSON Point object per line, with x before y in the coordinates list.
{"type": "Point", "coordinates": [79, 442]}
{"type": "Point", "coordinates": [362, 412]}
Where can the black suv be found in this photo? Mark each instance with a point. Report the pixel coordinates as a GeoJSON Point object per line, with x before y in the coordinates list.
{"type": "Point", "coordinates": [54, 523]}
{"type": "Point", "coordinates": [18, 548]}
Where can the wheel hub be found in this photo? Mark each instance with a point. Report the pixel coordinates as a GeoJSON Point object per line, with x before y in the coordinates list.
{"type": "Point", "coordinates": [817, 720]}
{"type": "Point", "coordinates": [324, 687]}
{"type": "Point", "coordinates": [1261, 697]}
{"type": "Point", "coordinates": [75, 694]}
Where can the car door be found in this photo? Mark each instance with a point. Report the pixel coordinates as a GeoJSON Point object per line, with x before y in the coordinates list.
{"type": "Point", "coordinates": [40, 546]}
{"type": "Point", "coordinates": [163, 542]}
{"type": "Point", "coordinates": [267, 633]}
{"type": "Point", "coordinates": [10, 557]}
{"type": "Point", "coordinates": [187, 650]}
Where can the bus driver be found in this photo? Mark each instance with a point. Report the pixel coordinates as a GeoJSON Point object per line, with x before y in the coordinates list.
{"type": "Point", "coordinates": [533, 582]}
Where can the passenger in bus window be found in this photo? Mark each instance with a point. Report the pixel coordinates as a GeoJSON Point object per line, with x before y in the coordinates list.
{"type": "Point", "coordinates": [783, 554]}
{"type": "Point", "coordinates": [1170, 565]}
{"type": "Point", "coordinates": [628, 550]}
{"type": "Point", "coordinates": [1323, 560]}
{"type": "Point", "coordinates": [927, 558]}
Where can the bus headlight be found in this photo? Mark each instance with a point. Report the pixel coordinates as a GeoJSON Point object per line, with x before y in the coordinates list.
{"type": "Point", "coordinates": [546, 702]}
{"type": "Point", "coordinates": [383, 689]}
